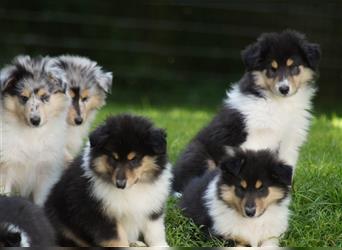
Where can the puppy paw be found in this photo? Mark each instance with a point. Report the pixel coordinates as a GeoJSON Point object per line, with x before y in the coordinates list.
{"type": "Point", "coordinates": [137, 244]}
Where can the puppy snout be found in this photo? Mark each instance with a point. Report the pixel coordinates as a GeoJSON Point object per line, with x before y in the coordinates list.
{"type": "Point", "coordinates": [250, 210]}
{"type": "Point", "coordinates": [35, 121]}
{"type": "Point", "coordinates": [121, 183]}
{"type": "Point", "coordinates": [284, 89]}
{"type": "Point", "coordinates": [78, 120]}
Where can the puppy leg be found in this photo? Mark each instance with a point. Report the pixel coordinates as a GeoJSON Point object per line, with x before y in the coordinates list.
{"type": "Point", "coordinates": [154, 232]}
{"type": "Point", "coordinates": [119, 241]}
{"type": "Point", "coordinates": [5, 182]}
{"type": "Point", "coordinates": [43, 186]}
{"type": "Point", "coordinates": [273, 242]}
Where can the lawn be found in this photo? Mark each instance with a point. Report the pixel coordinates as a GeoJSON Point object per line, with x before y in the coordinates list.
{"type": "Point", "coordinates": [316, 207]}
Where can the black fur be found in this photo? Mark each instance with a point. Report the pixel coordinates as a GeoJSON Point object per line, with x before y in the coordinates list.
{"type": "Point", "coordinates": [71, 203]}
{"type": "Point", "coordinates": [244, 165]}
{"type": "Point", "coordinates": [226, 129]}
{"type": "Point", "coordinates": [28, 218]}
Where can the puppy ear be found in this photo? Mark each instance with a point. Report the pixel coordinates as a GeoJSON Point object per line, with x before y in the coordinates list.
{"type": "Point", "coordinates": [233, 162]}
{"type": "Point", "coordinates": [158, 141]}
{"type": "Point", "coordinates": [7, 78]}
{"type": "Point", "coordinates": [283, 173]}
{"type": "Point", "coordinates": [313, 54]}
{"type": "Point", "coordinates": [98, 137]}
{"type": "Point", "coordinates": [56, 75]}
{"type": "Point", "coordinates": [105, 81]}
{"type": "Point", "coordinates": [251, 56]}
{"type": "Point", "coordinates": [12, 239]}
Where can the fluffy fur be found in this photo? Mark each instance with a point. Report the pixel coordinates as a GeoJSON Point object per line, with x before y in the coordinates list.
{"type": "Point", "coordinates": [116, 190]}
{"type": "Point", "coordinates": [246, 200]}
{"type": "Point", "coordinates": [269, 108]}
{"type": "Point", "coordinates": [33, 126]}
{"type": "Point", "coordinates": [22, 224]}
{"type": "Point", "coordinates": [87, 85]}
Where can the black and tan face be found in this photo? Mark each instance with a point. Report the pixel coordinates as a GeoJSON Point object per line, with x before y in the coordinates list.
{"type": "Point", "coordinates": [84, 102]}
{"type": "Point", "coordinates": [128, 150]}
{"type": "Point", "coordinates": [32, 96]}
{"type": "Point", "coordinates": [282, 63]}
{"type": "Point", "coordinates": [253, 181]}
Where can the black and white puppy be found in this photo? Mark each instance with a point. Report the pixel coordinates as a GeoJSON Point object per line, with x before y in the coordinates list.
{"type": "Point", "coordinates": [269, 108]}
{"type": "Point", "coordinates": [88, 86]}
{"type": "Point", "coordinates": [33, 110]}
{"type": "Point", "coordinates": [23, 224]}
{"type": "Point", "coordinates": [117, 189]}
{"type": "Point", "coordinates": [245, 200]}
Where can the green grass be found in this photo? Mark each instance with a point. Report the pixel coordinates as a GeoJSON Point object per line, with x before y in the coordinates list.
{"type": "Point", "coordinates": [316, 208]}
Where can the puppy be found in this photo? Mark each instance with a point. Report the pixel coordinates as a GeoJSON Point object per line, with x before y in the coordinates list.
{"type": "Point", "coordinates": [87, 85]}
{"type": "Point", "coordinates": [245, 200]}
{"type": "Point", "coordinates": [116, 190]}
{"type": "Point", "coordinates": [22, 224]}
{"type": "Point", "coordinates": [33, 118]}
{"type": "Point", "coordinates": [269, 108]}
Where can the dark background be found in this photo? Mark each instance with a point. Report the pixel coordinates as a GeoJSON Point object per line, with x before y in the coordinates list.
{"type": "Point", "coordinates": [171, 52]}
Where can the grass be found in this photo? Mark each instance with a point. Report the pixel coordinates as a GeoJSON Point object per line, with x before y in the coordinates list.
{"type": "Point", "coordinates": [316, 208]}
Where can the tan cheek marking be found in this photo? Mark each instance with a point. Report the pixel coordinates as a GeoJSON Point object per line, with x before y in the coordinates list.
{"type": "Point", "coordinates": [289, 62]}
{"type": "Point", "coordinates": [274, 194]}
{"type": "Point", "coordinates": [227, 194]}
{"type": "Point", "coordinates": [274, 64]}
{"type": "Point", "coordinates": [101, 165]}
{"type": "Point", "coordinates": [120, 241]}
{"type": "Point", "coordinates": [94, 102]}
{"type": "Point", "coordinates": [146, 170]}
{"type": "Point", "coordinates": [131, 156]}
{"type": "Point", "coordinates": [243, 183]}
{"type": "Point", "coordinates": [57, 104]}
{"type": "Point", "coordinates": [12, 105]}
{"type": "Point", "coordinates": [258, 184]}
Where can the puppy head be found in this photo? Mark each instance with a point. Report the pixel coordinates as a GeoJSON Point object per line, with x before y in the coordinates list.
{"type": "Point", "coordinates": [127, 150]}
{"type": "Point", "coordinates": [282, 62]}
{"type": "Point", "coordinates": [33, 90]}
{"type": "Point", "coordinates": [87, 86]}
{"type": "Point", "coordinates": [251, 181]}
{"type": "Point", "coordinates": [10, 236]}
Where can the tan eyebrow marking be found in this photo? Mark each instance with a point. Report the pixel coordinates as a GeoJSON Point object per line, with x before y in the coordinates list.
{"type": "Point", "coordinates": [85, 93]}
{"type": "Point", "coordinates": [26, 93]}
{"type": "Point", "coordinates": [289, 62]}
{"type": "Point", "coordinates": [116, 156]}
{"type": "Point", "coordinates": [243, 184]}
{"type": "Point", "coordinates": [258, 184]}
{"type": "Point", "coordinates": [274, 64]}
{"type": "Point", "coordinates": [131, 156]}
{"type": "Point", "coordinates": [41, 92]}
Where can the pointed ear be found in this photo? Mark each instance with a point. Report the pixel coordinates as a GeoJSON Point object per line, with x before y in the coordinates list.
{"type": "Point", "coordinates": [158, 141]}
{"type": "Point", "coordinates": [251, 56]}
{"type": "Point", "coordinates": [283, 173]}
{"type": "Point", "coordinates": [105, 81]}
{"type": "Point", "coordinates": [13, 239]}
{"type": "Point", "coordinates": [7, 78]}
{"type": "Point", "coordinates": [56, 75]}
{"type": "Point", "coordinates": [98, 137]}
{"type": "Point", "coordinates": [313, 54]}
{"type": "Point", "coordinates": [233, 162]}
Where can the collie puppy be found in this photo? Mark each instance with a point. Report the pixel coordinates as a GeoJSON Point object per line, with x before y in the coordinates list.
{"type": "Point", "coordinates": [23, 224]}
{"type": "Point", "coordinates": [116, 190]}
{"type": "Point", "coordinates": [245, 200]}
{"type": "Point", "coordinates": [269, 108]}
{"type": "Point", "coordinates": [33, 126]}
{"type": "Point", "coordinates": [87, 85]}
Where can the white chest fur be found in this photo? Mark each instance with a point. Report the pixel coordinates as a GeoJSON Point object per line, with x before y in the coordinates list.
{"type": "Point", "coordinates": [257, 231]}
{"type": "Point", "coordinates": [275, 123]}
{"type": "Point", "coordinates": [132, 207]}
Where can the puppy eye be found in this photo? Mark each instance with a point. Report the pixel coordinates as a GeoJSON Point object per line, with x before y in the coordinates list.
{"type": "Point", "coordinates": [45, 98]}
{"type": "Point", "coordinates": [84, 99]}
{"type": "Point", "coordinates": [24, 99]}
{"type": "Point", "coordinates": [294, 69]}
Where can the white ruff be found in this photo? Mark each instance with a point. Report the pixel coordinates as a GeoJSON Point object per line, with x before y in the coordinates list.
{"type": "Point", "coordinates": [31, 159]}
{"type": "Point", "coordinates": [275, 123]}
{"type": "Point", "coordinates": [132, 207]}
{"type": "Point", "coordinates": [261, 231]}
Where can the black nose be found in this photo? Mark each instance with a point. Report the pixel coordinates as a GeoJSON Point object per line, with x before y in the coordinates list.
{"type": "Point", "coordinates": [35, 121]}
{"type": "Point", "coordinates": [250, 211]}
{"type": "Point", "coordinates": [78, 120]}
{"type": "Point", "coordinates": [284, 89]}
{"type": "Point", "coordinates": [121, 184]}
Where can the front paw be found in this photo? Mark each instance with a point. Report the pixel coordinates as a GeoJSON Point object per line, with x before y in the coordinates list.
{"type": "Point", "coordinates": [137, 244]}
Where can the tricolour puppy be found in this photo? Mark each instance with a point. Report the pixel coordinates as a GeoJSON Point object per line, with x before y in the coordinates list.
{"type": "Point", "coordinates": [87, 85]}
{"type": "Point", "coordinates": [269, 108]}
{"type": "Point", "coordinates": [245, 200]}
{"type": "Point", "coordinates": [22, 224]}
{"type": "Point", "coordinates": [33, 126]}
{"type": "Point", "coordinates": [116, 190]}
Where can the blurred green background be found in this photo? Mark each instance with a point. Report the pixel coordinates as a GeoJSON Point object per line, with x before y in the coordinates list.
{"type": "Point", "coordinates": [171, 52]}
